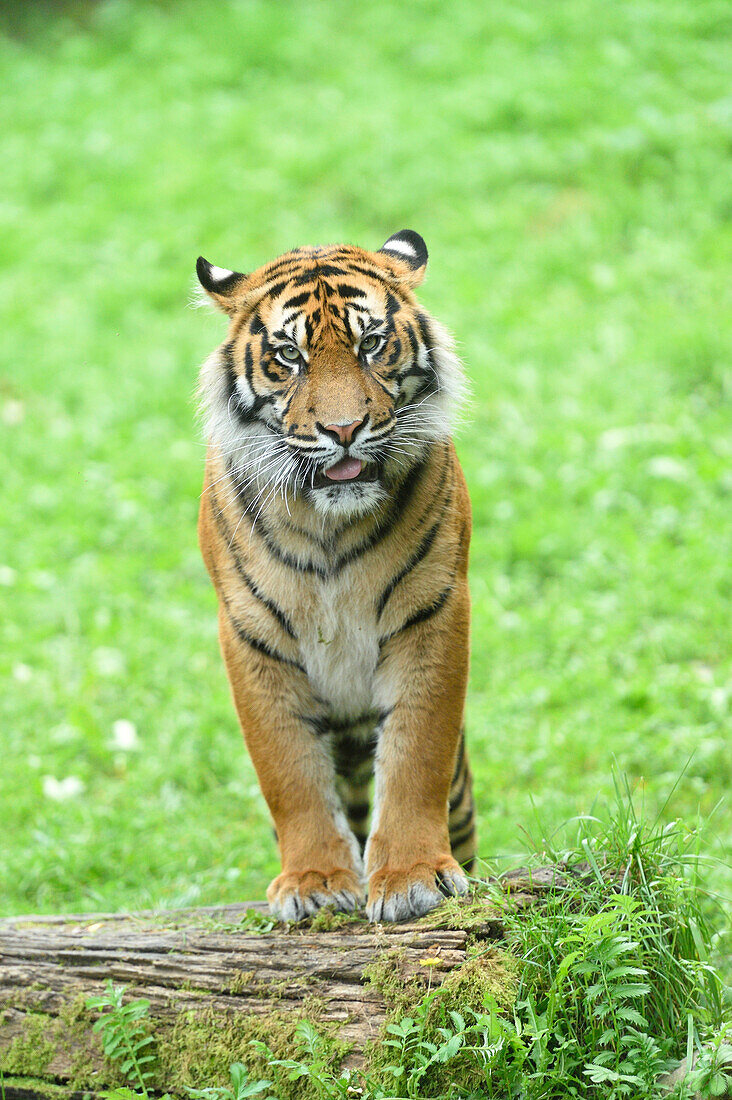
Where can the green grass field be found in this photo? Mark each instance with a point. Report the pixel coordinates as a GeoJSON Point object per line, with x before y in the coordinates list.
{"type": "Point", "coordinates": [569, 167]}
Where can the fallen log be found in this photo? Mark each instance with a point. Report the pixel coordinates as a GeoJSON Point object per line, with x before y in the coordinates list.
{"type": "Point", "coordinates": [218, 977]}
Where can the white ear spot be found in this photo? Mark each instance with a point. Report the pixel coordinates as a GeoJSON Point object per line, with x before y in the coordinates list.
{"type": "Point", "coordinates": [401, 247]}
{"type": "Point", "coordinates": [218, 274]}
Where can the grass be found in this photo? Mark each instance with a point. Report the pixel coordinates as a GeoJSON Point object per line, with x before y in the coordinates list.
{"type": "Point", "coordinates": [568, 165]}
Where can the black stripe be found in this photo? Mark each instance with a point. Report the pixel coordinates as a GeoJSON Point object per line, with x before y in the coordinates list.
{"type": "Point", "coordinates": [318, 725]}
{"type": "Point", "coordinates": [348, 291]}
{"type": "Point", "coordinates": [456, 841]}
{"type": "Point", "coordinates": [276, 551]}
{"type": "Point", "coordinates": [466, 819]}
{"type": "Point", "coordinates": [350, 754]}
{"type": "Point", "coordinates": [456, 799]}
{"type": "Point", "coordinates": [347, 325]}
{"type": "Point", "coordinates": [421, 552]}
{"type": "Point", "coordinates": [245, 414]}
{"type": "Point", "coordinates": [297, 300]}
{"type": "Point", "coordinates": [412, 340]}
{"type": "Point", "coordinates": [284, 262]}
{"type": "Point", "coordinates": [271, 606]}
{"type": "Point", "coordinates": [375, 273]}
{"type": "Point", "coordinates": [251, 584]}
{"type": "Point", "coordinates": [308, 276]}
{"type": "Point", "coordinates": [331, 269]}
{"type": "Point", "coordinates": [424, 331]}
{"type": "Point", "coordinates": [257, 643]}
{"type": "Point", "coordinates": [274, 370]}
{"type": "Point", "coordinates": [459, 757]}
{"type": "Point", "coordinates": [393, 305]}
{"type": "Point", "coordinates": [386, 389]}
{"type": "Point", "coordinates": [395, 353]}
{"type": "Point", "coordinates": [273, 291]}
{"type": "Point", "coordinates": [357, 811]}
{"type": "Point", "coordinates": [415, 371]}
{"type": "Point", "coordinates": [420, 616]}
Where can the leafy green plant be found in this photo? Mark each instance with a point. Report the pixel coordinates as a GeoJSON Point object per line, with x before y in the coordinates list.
{"type": "Point", "coordinates": [241, 1086]}
{"type": "Point", "coordinates": [254, 921]}
{"type": "Point", "coordinates": [125, 1037]}
{"type": "Point", "coordinates": [616, 961]}
{"type": "Point", "coordinates": [315, 1063]}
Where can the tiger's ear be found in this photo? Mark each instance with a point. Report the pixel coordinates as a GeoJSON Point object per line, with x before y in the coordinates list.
{"type": "Point", "coordinates": [226, 288]}
{"type": "Point", "coordinates": [407, 255]}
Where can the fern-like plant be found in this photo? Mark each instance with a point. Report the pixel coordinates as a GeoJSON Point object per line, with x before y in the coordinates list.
{"type": "Point", "coordinates": [125, 1036]}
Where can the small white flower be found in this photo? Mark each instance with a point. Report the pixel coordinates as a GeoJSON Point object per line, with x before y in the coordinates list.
{"type": "Point", "coordinates": [7, 576]}
{"type": "Point", "coordinates": [124, 736]}
{"type": "Point", "coordinates": [13, 412]}
{"type": "Point", "coordinates": [719, 699]}
{"type": "Point", "coordinates": [108, 661]}
{"type": "Point", "coordinates": [62, 790]}
{"type": "Point", "coordinates": [668, 467]}
{"type": "Point", "coordinates": [22, 673]}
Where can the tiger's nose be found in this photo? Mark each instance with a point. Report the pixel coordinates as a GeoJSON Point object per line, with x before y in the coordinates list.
{"type": "Point", "coordinates": [345, 432]}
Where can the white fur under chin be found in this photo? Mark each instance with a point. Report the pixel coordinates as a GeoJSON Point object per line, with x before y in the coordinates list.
{"type": "Point", "coordinates": [348, 501]}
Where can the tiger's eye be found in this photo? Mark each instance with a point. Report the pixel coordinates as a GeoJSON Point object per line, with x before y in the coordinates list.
{"type": "Point", "coordinates": [289, 353]}
{"type": "Point", "coordinates": [370, 343]}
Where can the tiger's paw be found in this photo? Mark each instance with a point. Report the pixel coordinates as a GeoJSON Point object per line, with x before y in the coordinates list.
{"type": "Point", "coordinates": [396, 895]}
{"type": "Point", "coordinates": [294, 895]}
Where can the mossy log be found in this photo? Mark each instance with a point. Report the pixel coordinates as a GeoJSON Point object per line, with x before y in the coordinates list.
{"type": "Point", "coordinates": [218, 977]}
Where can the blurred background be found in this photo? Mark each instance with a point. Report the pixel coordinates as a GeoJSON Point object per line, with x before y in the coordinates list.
{"type": "Point", "coordinates": [569, 167]}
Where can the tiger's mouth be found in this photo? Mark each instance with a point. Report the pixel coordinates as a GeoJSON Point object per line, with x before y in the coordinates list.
{"type": "Point", "coordinates": [349, 471]}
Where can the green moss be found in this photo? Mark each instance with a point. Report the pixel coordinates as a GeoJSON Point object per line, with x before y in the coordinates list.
{"type": "Point", "coordinates": [30, 1053]}
{"type": "Point", "coordinates": [490, 974]}
{"type": "Point", "coordinates": [471, 914]}
{"type": "Point", "coordinates": [36, 1087]}
{"type": "Point", "coordinates": [328, 920]}
{"type": "Point", "coordinates": [241, 980]}
{"type": "Point", "coordinates": [68, 1035]}
{"type": "Point", "coordinates": [386, 974]}
{"type": "Point", "coordinates": [74, 1035]}
{"type": "Point", "coordinates": [199, 1047]}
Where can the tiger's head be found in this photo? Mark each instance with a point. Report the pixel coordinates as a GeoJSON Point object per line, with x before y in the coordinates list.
{"type": "Point", "coordinates": [332, 380]}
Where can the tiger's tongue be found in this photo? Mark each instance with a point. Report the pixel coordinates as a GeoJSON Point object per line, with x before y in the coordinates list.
{"type": "Point", "coordinates": [345, 470]}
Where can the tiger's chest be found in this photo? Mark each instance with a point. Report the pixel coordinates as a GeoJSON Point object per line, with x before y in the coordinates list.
{"type": "Point", "coordinates": [339, 646]}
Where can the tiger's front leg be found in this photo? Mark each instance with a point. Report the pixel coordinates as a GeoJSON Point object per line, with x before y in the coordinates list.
{"type": "Point", "coordinates": [321, 862]}
{"type": "Point", "coordinates": [409, 864]}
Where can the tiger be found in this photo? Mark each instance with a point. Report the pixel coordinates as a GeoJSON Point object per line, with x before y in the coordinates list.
{"type": "Point", "coordinates": [335, 524]}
